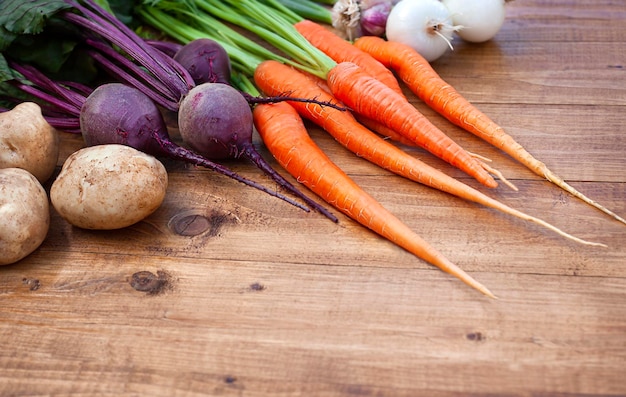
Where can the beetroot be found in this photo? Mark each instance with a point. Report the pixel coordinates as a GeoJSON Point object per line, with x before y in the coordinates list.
{"type": "Point", "coordinates": [205, 60]}
{"type": "Point", "coordinates": [215, 120]}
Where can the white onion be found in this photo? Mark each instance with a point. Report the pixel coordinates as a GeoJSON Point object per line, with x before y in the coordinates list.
{"type": "Point", "coordinates": [479, 20]}
{"type": "Point", "coordinates": [425, 25]}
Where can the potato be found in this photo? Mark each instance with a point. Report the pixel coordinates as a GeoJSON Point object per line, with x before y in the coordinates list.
{"type": "Point", "coordinates": [108, 187]}
{"type": "Point", "coordinates": [24, 214]}
{"type": "Point", "coordinates": [27, 141]}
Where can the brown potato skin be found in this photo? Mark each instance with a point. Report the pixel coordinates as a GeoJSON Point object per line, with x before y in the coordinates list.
{"type": "Point", "coordinates": [108, 187]}
{"type": "Point", "coordinates": [27, 141]}
{"type": "Point", "coordinates": [24, 214]}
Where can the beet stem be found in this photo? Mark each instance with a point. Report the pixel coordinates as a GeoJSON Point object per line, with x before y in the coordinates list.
{"type": "Point", "coordinates": [177, 152]}
{"type": "Point", "coordinates": [50, 99]}
{"type": "Point", "coordinates": [60, 96]}
{"type": "Point", "coordinates": [281, 98]}
{"type": "Point", "coordinates": [174, 77]}
{"type": "Point", "coordinates": [122, 75]}
{"type": "Point", "coordinates": [253, 155]}
{"type": "Point", "coordinates": [115, 56]}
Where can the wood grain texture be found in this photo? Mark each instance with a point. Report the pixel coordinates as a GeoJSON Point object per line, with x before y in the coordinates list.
{"type": "Point", "coordinates": [225, 291]}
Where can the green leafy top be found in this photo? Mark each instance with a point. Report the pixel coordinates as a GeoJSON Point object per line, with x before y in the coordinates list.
{"type": "Point", "coordinates": [21, 25]}
{"type": "Point", "coordinates": [19, 17]}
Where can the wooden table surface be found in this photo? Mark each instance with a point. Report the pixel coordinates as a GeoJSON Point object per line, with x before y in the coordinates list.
{"type": "Point", "coordinates": [226, 291]}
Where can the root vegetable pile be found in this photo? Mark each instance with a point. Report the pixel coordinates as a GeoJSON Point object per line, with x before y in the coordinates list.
{"type": "Point", "coordinates": [223, 85]}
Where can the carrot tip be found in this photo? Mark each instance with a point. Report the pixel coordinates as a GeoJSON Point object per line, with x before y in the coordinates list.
{"type": "Point", "coordinates": [499, 175]}
{"type": "Point", "coordinates": [553, 178]}
{"type": "Point", "coordinates": [484, 290]}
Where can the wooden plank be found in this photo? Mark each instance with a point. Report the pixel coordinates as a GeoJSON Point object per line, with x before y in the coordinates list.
{"type": "Point", "coordinates": [261, 328]}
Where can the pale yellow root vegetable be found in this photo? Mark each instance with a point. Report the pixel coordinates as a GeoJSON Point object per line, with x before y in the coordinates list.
{"type": "Point", "coordinates": [24, 214]}
{"type": "Point", "coordinates": [27, 141]}
{"type": "Point", "coordinates": [108, 187]}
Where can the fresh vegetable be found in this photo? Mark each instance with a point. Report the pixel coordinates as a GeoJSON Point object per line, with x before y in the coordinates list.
{"type": "Point", "coordinates": [401, 116]}
{"type": "Point", "coordinates": [426, 83]}
{"type": "Point", "coordinates": [346, 17]}
{"type": "Point", "coordinates": [205, 60]}
{"type": "Point", "coordinates": [107, 187]}
{"type": "Point", "coordinates": [215, 120]}
{"type": "Point", "coordinates": [477, 20]}
{"type": "Point", "coordinates": [24, 214]}
{"type": "Point", "coordinates": [374, 17]}
{"type": "Point", "coordinates": [28, 141]}
{"type": "Point", "coordinates": [424, 25]}
{"type": "Point", "coordinates": [154, 73]}
{"type": "Point", "coordinates": [348, 132]}
{"type": "Point", "coordinates": [286, 137]}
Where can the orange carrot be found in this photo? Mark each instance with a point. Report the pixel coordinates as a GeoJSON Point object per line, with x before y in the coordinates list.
{"type": "Point", "coordinates": [286, 137]}
{"type": "Point", "coordinates": [372, 99]}
{"type": "Point", "coordinates": [361, 141]}
{"type": "Point", "coordinates": [341, 50]}
{"type": "Point", "coordinates": [426, 83]}
{"type": "Point", "coordinates": [384, 131]}
{"type": "Point", "coordinates": [373, 125]}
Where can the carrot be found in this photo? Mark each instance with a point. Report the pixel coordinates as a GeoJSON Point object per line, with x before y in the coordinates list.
{"type": "Point", "coordinates": [341, 50]}
{"type": "Point", "coordinates": [372, 99]}
{"type": "Point", "coordinates": [373, 125]}
{"type": "Point", "coordinates": [384, 131]}
{"type": "Point", "coordinates": [346, 130]}
{"type": "Point", "coordinates": [426, 83]}
{"type": "Point", "coordinates": [286, 137]}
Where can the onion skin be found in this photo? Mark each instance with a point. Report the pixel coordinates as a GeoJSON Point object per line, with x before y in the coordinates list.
{"type": "Point", "coordinates": [374, 19]}
{"type": "Point", "coordinates": [424, 25]}
{"type": "Point", "coordinates": [480, 21]}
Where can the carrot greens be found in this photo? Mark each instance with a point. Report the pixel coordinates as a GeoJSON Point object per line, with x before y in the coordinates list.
{"type": "Point", "coordinates": [310, 10]}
